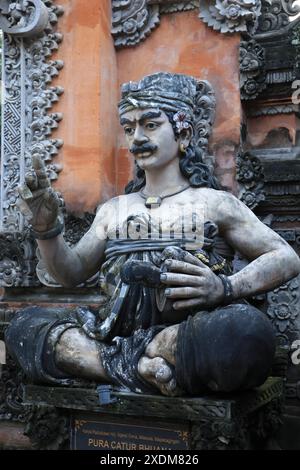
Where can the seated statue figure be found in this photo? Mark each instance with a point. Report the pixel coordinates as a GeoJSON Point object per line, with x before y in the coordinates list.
{"type": "Point", "coordinates": [175, 318]}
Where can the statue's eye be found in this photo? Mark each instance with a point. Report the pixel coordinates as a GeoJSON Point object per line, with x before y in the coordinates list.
{"type": "Point", "coordinates": [151, 125]}
{"type": "Point", "coordinates": [129, 130]}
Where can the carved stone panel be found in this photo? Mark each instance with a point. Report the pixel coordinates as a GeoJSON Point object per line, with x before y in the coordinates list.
{"type": "Point", "coordinates": [276, 14]}
{"type": "Point", "coordinates": [132, 21]}
{"type": "Point", "coordinates": [284, 310]}
{"type": "Point", "coordinates": [230, 16]}
{"type": "Point", "coordinates": [251, 179]}
{"type": "Point", "coordinates": [23, 17]}
{"type": "Point", "coordinates": [252, 69]}
{"type": "Point", "coordinates": [27, 98]}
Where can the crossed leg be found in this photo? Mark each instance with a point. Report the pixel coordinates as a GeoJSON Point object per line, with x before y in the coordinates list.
{"type": "Point", "coordinates": [79, 355]}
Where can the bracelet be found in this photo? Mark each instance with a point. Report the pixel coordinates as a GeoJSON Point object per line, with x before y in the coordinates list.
{"type": "Point", "coordinates": [228, 290]}
{"type": "Point", "coordinates": [47, 234]}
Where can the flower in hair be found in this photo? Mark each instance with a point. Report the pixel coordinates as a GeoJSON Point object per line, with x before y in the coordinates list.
{"type": "Point", "coordinates": [181, 120]}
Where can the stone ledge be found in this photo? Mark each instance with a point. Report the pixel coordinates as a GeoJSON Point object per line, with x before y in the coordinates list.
{"type": "Point", "coordinates": [132, 404]}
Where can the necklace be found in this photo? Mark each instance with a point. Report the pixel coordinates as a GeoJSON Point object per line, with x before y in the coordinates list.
{"type": "Point", "coordinates": [155, 201]}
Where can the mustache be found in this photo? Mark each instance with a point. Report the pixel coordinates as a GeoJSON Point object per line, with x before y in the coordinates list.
{"type": "Point", "coordinates": [143, 148]}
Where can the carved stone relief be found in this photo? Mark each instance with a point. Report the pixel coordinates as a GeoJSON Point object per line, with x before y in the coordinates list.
{"type": "Point", "coordinates": [252, 73]}
{"type": "Point", "coordinates": [11, 393]}
{"type": "Point", "coordinates": [23, 17]}
{"type": "Point", "coordinates": [230, 16]}
{"type": "Point", "coordinates": [284, 309]}
{"type": "Point", "coordinates": [29, 40]}
{"type": "Point", "coordinates": [251, 179]}
{"type": "Point", "coordinates": [17, 260]}
{"type": "Point", "coordinates": [133, 20]}
{"type": "Point", "coordinates": [276, 14]}
{"type": "Point", "coordinates": [173, 6]}
{"type": "Point", "coordinates": [27, 123]}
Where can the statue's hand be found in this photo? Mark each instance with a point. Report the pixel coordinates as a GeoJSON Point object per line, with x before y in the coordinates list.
{"type": "Point", "coordinates": [38, 201]}
{"type": "Point", "coordinates": [191, 283]}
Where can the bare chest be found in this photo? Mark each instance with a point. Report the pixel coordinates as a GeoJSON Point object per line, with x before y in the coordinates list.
{"type": "Point", "coordinates": [176, 217]}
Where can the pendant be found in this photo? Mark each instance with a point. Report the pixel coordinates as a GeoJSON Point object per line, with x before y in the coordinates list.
{"type": "Point", "coordinates": [152, 202]}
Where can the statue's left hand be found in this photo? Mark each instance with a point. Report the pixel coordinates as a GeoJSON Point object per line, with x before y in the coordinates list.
{"type": "Point", "coordinates": [191, 283]}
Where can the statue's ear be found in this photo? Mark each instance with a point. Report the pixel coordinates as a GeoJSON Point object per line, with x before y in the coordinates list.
{"type": "Point", "coordinates": [186, 136]}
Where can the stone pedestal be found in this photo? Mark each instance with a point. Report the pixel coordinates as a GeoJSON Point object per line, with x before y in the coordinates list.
{"type": "Point", "coordinates": [103, 418]}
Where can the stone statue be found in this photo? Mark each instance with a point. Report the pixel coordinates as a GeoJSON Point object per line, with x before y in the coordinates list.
{"type": "Point", "coordinates": [175, 319]}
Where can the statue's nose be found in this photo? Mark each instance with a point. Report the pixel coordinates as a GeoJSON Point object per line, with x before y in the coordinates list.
{"type": "Point", "coordinates": [139, 137]}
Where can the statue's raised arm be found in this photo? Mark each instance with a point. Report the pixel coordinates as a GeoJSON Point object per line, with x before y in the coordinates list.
{"type": "Point", "coordinates": [40, 204]}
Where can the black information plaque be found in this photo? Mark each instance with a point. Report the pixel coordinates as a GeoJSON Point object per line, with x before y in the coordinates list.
{"type": "Point", "coordinates": [91, 431]}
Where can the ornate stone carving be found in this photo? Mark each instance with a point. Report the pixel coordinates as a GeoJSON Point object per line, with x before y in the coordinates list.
{"type": "Point", "coordinates": [17, 260]}
{"type": "Point", "coordinates": [23, 17]}
{"type": "Point", "coordinates": [132, 21]}
{"type": "Point", "coordinates": [284, 308]}
{"type": "Point", "coordinates": [271, 110]}
{"type": "Point", "coordinates": [230, 16]}
{"type": "Point", "coordinates": [76, 227]}
{"type": "Point", "coordinates": [27, 123]}
{"type": "Point", "coordinates": [205, 107]}
{"type": "Point", "coordinates": [174, 6]}
{"type": "Point", "coordinates": [47, 428]}
{"type": "Point", "coordinates": [253, 75]}
{"type": "Point", "coordinates": [276, 14]}
{"type": "Point", "coordinates": [11, 393]}
{"type": "Point", "coordinates": [296, 46]}
{"type": "Point", "coordinates": [250, 176]}
{"type": "Point", "coordinates": [219, 435]}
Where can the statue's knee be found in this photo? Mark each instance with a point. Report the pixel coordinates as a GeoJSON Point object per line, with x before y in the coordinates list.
{"type": "Point", "coordinates": [231, 348]}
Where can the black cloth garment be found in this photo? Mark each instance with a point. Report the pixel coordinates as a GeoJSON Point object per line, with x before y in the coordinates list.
{"type": "Point", "coordinates": [27, 339]}
{"type": "Point", "coordinates": [34, 332]}
{"type": "Point", "coordinates": [228, 349]}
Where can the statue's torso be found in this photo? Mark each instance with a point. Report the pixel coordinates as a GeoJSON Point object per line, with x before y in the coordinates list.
{"type": "Point", "coordinates": [185, 212]}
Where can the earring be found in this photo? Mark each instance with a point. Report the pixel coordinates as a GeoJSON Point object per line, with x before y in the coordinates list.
{"type": "Point", "coordinates": [182, 148]}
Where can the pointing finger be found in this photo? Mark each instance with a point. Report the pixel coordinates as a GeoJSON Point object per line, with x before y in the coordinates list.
{"type": "Point", "coordinates": [25, 192]}
{"type": "Point", "coordinates": [31, 180]}
{"type": "Point", "coordinates": [40, 171]}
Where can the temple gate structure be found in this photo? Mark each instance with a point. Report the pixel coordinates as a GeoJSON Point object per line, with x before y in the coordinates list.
{"type": "Point", "coordinates": [62, 65]}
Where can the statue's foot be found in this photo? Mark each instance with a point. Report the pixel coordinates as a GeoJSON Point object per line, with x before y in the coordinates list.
{"type": "Point", "coordinates": [159, 373]}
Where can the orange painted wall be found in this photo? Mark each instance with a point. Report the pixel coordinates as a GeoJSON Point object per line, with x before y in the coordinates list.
{"type": "Point", "coordinates": [89, 78]}
{"type": "Point", "coordinates": [96, 163]}
{"type": "Point", "coordinates": [183, 43]}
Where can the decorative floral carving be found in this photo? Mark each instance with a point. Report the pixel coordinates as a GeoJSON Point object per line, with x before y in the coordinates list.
{"type": "Point", "coordinates": [23, 17]}
{"type": "Point", "coordinates": [178, 6]}
{"type": "Point", "coordinates": [250, 176]}
{"type": "Point", "coordinates": [253, 75]}
{"type": "Point", "coordinates": [47, 428]}
{"type": "Point", "coordinates": [11, 393]}
{"type": "Point", "coordinates": [276, 14]}
{"type": "Point", "coordinates": [76, 227]}
{"type": "Point", "coordinates": [230, 16]}
{"type": "Point", "coordinates": [132, 21]}
{"type": "Point", "coordinates": [205, 107]}
{"type": "Point", "coordinates": [17, 260]}
{"type": "Point", "coordinates": [27, 124]}
{"type": "Point", "coordinates": [284, 306]}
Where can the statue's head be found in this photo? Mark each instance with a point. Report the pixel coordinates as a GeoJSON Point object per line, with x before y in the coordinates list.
{"type": "Point", "coordinates": [167, 116]}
